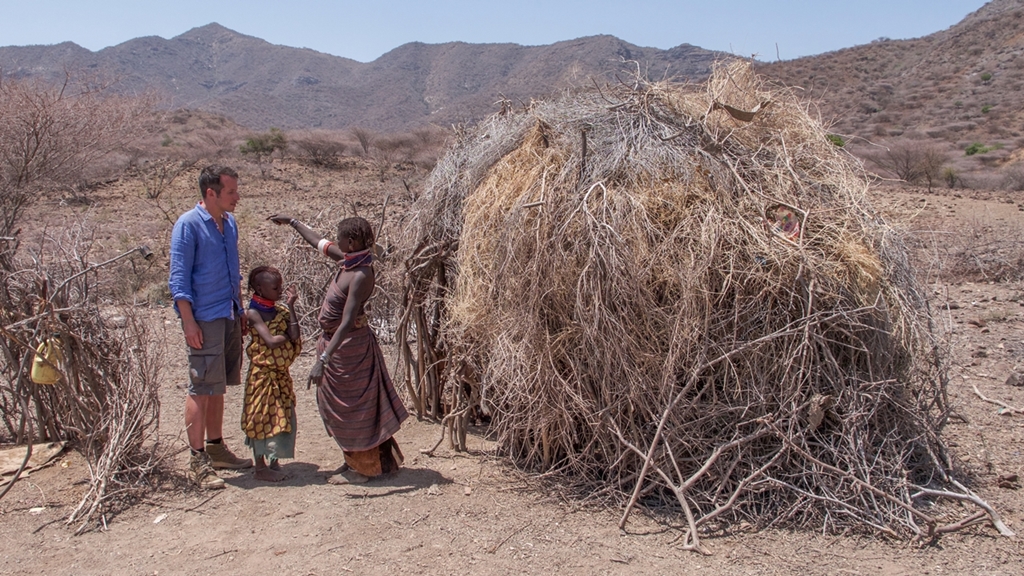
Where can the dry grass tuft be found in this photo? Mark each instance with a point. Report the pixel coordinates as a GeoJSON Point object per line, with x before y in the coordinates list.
{"type": "Point", "coordinates": [596, 272]}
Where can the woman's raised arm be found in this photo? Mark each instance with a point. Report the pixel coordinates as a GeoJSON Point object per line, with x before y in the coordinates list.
{"type": "Point", "coordinates": [323, 245]}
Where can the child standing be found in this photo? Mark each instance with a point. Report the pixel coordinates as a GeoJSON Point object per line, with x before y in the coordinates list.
{"type": "Point", "coordinates": [268, 416]}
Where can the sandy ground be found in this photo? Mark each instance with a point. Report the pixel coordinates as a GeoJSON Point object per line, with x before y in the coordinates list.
{"type": "Point", "coordinates": [471, 513]}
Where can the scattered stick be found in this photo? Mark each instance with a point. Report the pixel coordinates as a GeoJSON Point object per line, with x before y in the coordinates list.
{"type": "Point", "coordinates": [494, 548]}
{"type": "Point", "coordinates": [1004, 405]}
{"type": "Point", "coordinates": [221, 554]}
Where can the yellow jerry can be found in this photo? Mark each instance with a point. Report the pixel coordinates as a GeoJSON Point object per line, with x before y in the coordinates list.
{"type": "Point", "coordinates": [43, 373]}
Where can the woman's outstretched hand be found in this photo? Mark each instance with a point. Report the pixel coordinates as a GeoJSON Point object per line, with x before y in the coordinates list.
{"type": "Point", "coordinates": [280, 219]}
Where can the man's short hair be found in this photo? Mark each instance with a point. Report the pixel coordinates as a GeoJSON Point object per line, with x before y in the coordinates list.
{"type": "Point", "coordinates": [356, 228]}
{"type": "Point", "coordinates": [209, 178]}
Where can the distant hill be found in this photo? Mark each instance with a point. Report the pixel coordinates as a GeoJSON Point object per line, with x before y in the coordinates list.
{"type": "Point", "coordinates": [951, 88]}
{"type": "Point", "coordinates": [260, 85]}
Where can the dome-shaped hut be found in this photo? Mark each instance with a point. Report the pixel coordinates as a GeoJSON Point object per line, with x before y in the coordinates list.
{"type": "Point", "coordinates": [679, 296]}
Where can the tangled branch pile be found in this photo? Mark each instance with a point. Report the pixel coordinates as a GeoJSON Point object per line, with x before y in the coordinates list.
{"type": "Point", "coordinates": [105, 399]}
{"type": "Point", "coordinates": [597, 272]}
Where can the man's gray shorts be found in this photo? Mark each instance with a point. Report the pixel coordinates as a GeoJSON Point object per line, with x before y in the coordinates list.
{"type": "Point", "coordinates": [218, 363]}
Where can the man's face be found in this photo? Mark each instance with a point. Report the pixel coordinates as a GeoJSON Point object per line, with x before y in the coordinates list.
{"type": "Point", "coordinates": [228, 197]}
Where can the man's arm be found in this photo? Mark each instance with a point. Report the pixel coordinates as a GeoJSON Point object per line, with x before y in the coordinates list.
{"type": "Point", "coordinates": [183, 253]}
{"type": "Point", "coordinates": [193, 334]}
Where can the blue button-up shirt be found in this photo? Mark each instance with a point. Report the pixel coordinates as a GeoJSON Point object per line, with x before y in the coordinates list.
{"type": "Point", "coordinates": [204, 265]}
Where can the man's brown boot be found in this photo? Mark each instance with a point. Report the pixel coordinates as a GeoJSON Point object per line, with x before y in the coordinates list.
{"type": "Point", "coordinates": [201, 473]}
{"type": "Point", "coordinates": [222, 458]}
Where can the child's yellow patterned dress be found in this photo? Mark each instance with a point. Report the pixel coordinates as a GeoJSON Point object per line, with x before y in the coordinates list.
{"type": "Point", "coordinates": [268, 416]}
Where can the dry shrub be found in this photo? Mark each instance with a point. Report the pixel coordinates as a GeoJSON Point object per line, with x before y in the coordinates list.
{"type": "Point", "coordinates": [972, 250]}
{"type": "Point", "coordinates": [319, 148]}
{"type": "Point", "coordinates": [53, 137]}
{"type": "Point", "coordinates": [1013, 178]}
{"type": "Point", "coordinates": [595, 271]}
{"type": "Point", "coordinates": [106, 401]}
{"type": "Point", "coordinates": [912, 161]}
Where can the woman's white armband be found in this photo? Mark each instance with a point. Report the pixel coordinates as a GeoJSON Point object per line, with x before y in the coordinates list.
{"type": "Point", "coordinates": [324, 245]}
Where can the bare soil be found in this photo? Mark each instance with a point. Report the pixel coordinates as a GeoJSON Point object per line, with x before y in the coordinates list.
{"type": "Point", "coordinates": [458, 513]}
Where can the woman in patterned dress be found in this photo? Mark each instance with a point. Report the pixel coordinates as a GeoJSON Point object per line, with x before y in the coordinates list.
{"type": "Point", "coordinates": [268, 415]}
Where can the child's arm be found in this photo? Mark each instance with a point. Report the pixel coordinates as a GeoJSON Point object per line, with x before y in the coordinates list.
{"type": "Point", "coordinates": [256, 321]}
{"type": "Point", "coordinates": [291, 295]}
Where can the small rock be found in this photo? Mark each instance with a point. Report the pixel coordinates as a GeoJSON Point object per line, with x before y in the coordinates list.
{"type": "Point", "coordinates": [467, 490]}
{"type": "Point", "coordinates": [433, 490]}
{"type": "Point", "coordinates": [985, 330]}
{"type": "Point", "coordinates": [976, 322]}
{"type": "Point", "coordinates": [1014, 379]}
{"type": "Point", "coordinates": [1011, 481]}
{"type": "Point", "coordinates": [160, 518]}
{"type": "Point", "coordinates": [117, 321]}
{"type": "Point", "coordinates": [979, 354]}
{"type": "Point", "coordinates": [953, 306]}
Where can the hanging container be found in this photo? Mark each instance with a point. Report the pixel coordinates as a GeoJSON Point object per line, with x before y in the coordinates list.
{"type": "Point", "coordinates": [48, 357]}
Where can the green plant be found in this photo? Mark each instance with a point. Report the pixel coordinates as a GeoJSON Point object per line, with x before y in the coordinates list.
{"type": "Point", "coordinates": [976, 148]}
{"type": "Point", "coordinates": [986, 77]}
{"type": "Point", "coordinates": [836, 139]}
{"type": "Point", "coordinates": [986, 108]}
{"type": "Point", "coordinates": [262, 146]}
{"type": "Point", "coordinates": [167, 141]}
{"type": "Point", "coordinates": [958, 104]}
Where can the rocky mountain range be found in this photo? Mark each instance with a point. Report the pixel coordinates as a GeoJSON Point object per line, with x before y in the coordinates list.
{"type": "Point", "coordinates": [959, 89]}
{"type": "Point", "coordinates": [954, 88]}
{"type": "Point", "coordinates": [261, 85]}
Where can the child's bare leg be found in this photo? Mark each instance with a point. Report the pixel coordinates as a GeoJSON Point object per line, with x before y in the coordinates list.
{"type": "Point", "coordinates": [275, 464]}
{"type": "Point", "coordinates": [266, 473]}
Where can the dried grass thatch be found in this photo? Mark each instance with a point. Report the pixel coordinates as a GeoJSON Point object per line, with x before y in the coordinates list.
{"type": "Point", "coordinates": [598, 272]}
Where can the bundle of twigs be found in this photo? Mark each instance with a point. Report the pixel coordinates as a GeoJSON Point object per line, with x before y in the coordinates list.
{"type": "Point", "coordinates": [105, 400]}
{"type": "Point", "coordinates": [604, 275]}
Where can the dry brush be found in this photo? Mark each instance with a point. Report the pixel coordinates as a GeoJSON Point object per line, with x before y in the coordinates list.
{"type": "Point", "coordinates": [602, 273]}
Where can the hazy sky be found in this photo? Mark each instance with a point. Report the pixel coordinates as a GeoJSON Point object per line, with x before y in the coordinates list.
{"type": "Point", "coordinates": [366, 29]}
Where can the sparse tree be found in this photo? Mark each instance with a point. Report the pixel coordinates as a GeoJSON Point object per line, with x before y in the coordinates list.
{"type": "Point", "coordinates": [262, 147]}
{"type": "Point", "coordinates": [912, 162]}
{"type": "Point", "coordinates": [50, 135]}
{"type": "Point", "coordinates": [365, 138]}
{"type": "Point", "coordinates": [320, 149]}
{"type": "Point", "coordinates": [387, 150]}
{"type": "Point", "coordinates": [931, 162]}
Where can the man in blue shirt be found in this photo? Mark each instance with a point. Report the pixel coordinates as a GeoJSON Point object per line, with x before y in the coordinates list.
{"type": "Point", "coordinates": [205, 283]}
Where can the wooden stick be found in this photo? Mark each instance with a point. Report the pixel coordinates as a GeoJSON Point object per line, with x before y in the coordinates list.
{"type": "Point", "coordinates": [997, 521]}
{"type": "Point", "coordinates": [1005, 406]}
{"type": "Point", "coordinates": [494, 548]}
